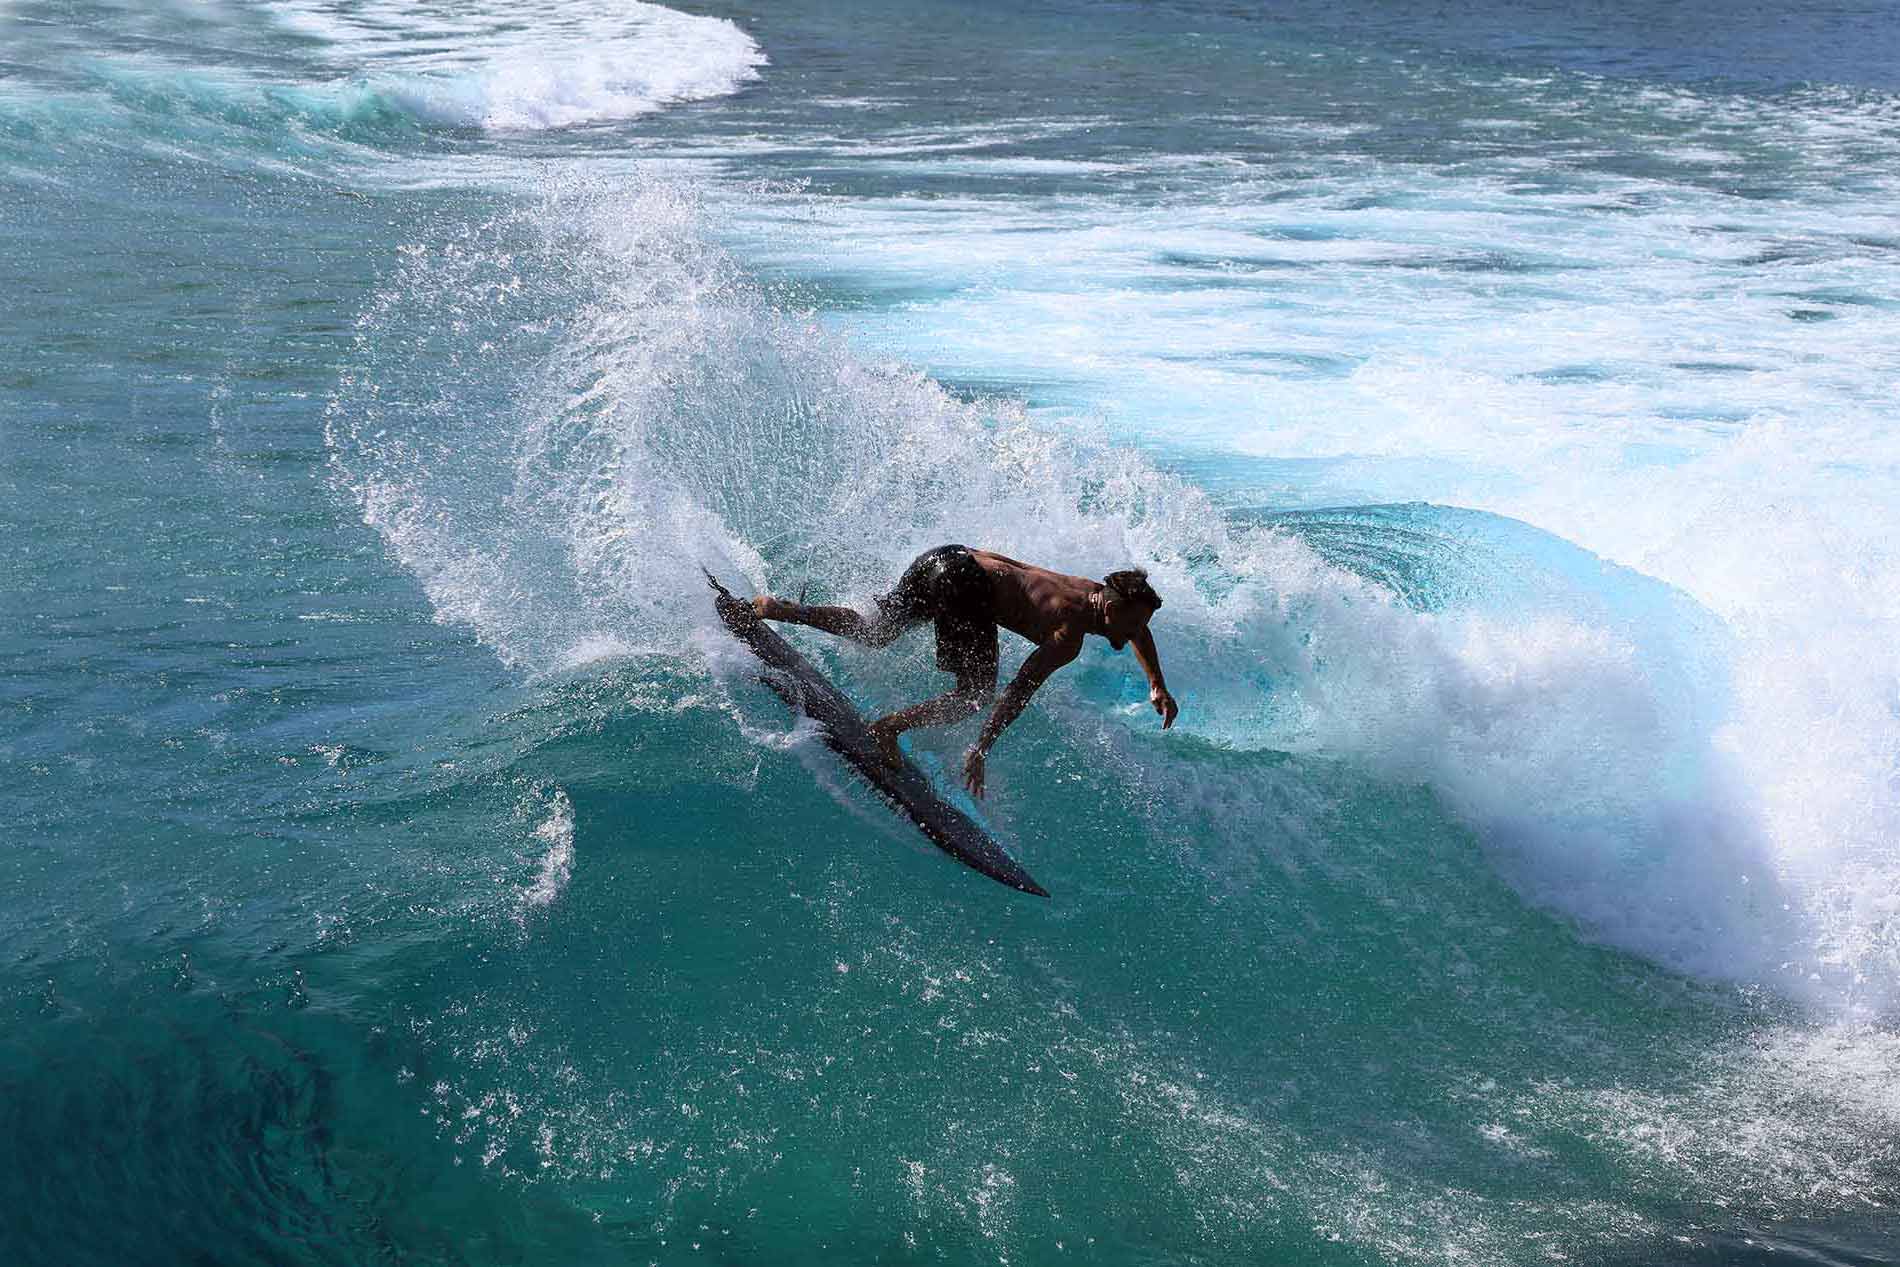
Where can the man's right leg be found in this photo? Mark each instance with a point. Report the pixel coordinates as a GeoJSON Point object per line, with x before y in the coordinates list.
{"type": "Point", "coordinates": [845, 622]}
{"type": "Point", "coordinates": [909, 602]}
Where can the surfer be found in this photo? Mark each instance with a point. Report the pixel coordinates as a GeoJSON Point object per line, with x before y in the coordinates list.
{"type": "Point", "coordinates": [969, 594]}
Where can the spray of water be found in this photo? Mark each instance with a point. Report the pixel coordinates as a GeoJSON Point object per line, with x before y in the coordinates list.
{"type": "Point", "coordinates": [557, 418]}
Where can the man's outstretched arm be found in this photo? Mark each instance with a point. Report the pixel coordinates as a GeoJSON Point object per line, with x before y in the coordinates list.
{"type": "Point", "coordinates": [1150, 661]}
{"type": "Point", "coordinates": [1043, 661]}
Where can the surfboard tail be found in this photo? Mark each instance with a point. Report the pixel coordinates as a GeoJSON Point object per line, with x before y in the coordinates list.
{"type": "Point", "coordinates": [721, 595]}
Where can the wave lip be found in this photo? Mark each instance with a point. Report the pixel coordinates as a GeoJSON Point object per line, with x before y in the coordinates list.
{"type": "Point", "coordinates": [536, 66]}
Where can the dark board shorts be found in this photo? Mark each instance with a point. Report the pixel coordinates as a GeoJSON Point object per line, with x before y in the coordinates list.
{"type": "Point", "coordinates": [950, 588]}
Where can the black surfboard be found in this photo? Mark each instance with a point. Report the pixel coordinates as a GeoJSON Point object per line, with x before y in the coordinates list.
{"type": "Point", "coordinates": [805, 690]}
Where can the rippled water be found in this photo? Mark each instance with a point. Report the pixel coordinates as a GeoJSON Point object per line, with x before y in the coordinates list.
{"type": "Point", "coordinates": [407, 868]}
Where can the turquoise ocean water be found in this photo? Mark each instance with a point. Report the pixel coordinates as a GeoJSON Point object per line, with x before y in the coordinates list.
{"type": "Point", "coordinates": [402, 866]}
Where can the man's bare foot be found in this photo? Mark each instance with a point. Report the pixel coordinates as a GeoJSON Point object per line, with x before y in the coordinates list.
{"type": "Point", "coordinates": [886, 736]}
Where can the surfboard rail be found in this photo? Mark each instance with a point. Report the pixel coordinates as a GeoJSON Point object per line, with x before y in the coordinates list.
{"type": "Point", "coordinates": [904, 786]}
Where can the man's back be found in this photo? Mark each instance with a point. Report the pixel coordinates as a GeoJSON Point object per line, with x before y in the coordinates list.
{"type": "Point", "coordinates": [1033, 601]}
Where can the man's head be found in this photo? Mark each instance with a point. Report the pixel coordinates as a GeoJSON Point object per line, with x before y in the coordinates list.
{"type": "Point", "coordinates": [1127, 603]}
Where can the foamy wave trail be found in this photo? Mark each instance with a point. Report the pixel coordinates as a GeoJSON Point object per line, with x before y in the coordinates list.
{"type": "Point", "coordinates": [666, 415]}
{"type": "Point", "coordinates": [360, 83]}
{"type": "Point", "coordinates": [531, 66]}
{"type": "Point", "coordinates": [554, 834]}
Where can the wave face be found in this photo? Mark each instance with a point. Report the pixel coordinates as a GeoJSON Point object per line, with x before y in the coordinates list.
{"type": "Point", "coordinates": [1575, 714]}
{"type": "Point", "coordinates": [1565, 712]}
{"type": "Point", "coordinates": [408, 868]}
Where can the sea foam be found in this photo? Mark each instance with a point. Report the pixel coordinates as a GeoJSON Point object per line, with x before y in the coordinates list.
{"type": "Point", "coordinates": [531, 66]}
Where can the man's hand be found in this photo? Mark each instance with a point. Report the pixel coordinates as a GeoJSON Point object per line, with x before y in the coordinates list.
{"type": "Point", "coordinates": [973, 772]}
{"type": "Point", "coordinates": [1164, 704]}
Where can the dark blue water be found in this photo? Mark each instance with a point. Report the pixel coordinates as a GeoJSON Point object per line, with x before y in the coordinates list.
{"type": "Point", "coordinates": [406, 868]}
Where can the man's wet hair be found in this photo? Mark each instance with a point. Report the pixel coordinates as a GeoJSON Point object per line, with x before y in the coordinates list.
{"type": "Point", "coordinates": [1132, 586]}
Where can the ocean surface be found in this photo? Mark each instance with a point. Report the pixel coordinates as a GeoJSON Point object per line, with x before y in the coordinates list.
{"type": "Point", "coordinates": [402, 865]}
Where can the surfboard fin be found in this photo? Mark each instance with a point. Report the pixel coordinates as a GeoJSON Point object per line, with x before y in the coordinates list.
{"type": "Point", "coordinates": [730, 608]}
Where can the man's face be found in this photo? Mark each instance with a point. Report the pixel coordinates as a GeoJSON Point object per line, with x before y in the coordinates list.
{"type": "Point", "coordinates": [1124, 619]}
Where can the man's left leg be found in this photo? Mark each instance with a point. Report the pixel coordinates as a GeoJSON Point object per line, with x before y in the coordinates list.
{"type": "Point", "coordinates": [970, 653]}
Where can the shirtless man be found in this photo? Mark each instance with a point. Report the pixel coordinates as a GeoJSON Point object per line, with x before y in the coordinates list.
{"type": "Point", "coordinates": [968, 594]}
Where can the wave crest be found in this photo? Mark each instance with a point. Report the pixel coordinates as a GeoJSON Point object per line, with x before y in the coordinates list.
{"type": "Point", "coordinates": [533, 65]}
